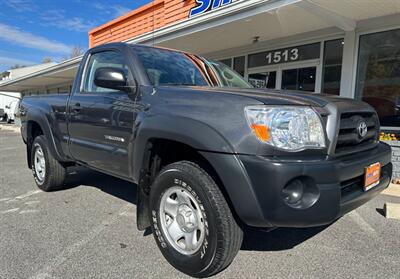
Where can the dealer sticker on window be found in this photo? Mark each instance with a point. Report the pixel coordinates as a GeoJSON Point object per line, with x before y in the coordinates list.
{"type": "Point", "coordinates": [372, 176]}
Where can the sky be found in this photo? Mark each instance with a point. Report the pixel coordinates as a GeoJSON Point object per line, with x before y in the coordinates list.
{"type": "Point", "coordinates": [31, 30]}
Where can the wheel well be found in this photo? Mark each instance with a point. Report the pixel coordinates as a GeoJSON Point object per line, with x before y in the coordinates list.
{"type": "Point", "coordinates": [33, 130]}
{"type": "Point", "coordinates": [160, 153]}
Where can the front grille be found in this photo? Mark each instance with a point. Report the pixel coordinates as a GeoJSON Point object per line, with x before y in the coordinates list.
{"type": "Point", "coordinates": [352, 185]}
{"type": "Point", "coordinates": [349, 140]}
{"type": "Point", "coordinates": [356, 184]}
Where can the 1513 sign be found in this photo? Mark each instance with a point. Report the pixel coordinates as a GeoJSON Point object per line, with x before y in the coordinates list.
{"type": "Point", "coordinates": [285, 55]}
{"type": "Point", "coordinates": [203, 6]}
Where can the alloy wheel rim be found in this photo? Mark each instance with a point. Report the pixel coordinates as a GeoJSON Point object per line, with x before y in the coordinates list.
{"type": "Point", "coordinates": [182, 220]}
{"type": "Point", "coordinates": [40, 163]}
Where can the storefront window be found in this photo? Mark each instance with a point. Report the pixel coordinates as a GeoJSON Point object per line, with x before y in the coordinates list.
{"type": "Point", "coordinates": [332, 71]}
{"type": "Point", "coordinates": [239, 65]}
{"type": "Point", "coordinates": [378, 74]}
{"type": "Point", "coordinates": [227, 62]}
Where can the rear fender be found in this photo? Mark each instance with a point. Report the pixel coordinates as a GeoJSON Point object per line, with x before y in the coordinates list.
{"type": "Point", "coordinates": [41, 119]}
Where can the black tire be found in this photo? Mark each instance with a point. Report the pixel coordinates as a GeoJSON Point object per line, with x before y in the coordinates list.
{"type": "Point", "coordinates": [55, 173]}
{"type": "Point", "coordinates": [223, 237]}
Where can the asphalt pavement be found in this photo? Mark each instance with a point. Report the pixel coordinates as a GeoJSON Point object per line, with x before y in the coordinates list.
{"type": "Point", "coordinates": [89, 231]}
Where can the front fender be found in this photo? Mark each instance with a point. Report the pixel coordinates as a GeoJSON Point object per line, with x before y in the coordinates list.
{"type": "Point", "coordinates": [213, 147]}
{"type": "Point", "coordinates": [191, 132]}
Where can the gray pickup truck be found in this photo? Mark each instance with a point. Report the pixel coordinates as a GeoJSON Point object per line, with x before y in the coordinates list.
{"type": "Point", "coordinates": [209, 153]}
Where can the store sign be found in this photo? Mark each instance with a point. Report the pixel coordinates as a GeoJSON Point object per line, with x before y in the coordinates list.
{"type": "Point", "coordinates": [285, 55]}
{"type": "Point", "coordinates": [207, 5]}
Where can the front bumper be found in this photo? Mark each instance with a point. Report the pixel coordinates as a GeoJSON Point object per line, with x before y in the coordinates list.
{"type": "Point", "coordinates": [339, 180]}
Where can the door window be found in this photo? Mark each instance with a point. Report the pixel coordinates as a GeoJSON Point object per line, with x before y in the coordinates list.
{"type": "Point", "coordinates": [302, 79]}
{"type": "Point", "coordinates": [169, 68]}
{"type": "Point", "coordinates": [112, 59]}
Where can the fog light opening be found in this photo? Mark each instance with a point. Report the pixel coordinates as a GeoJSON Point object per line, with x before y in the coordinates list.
{"type": "Point", "coordinates": [300, 193]}
{"type": "Point", "coordinates": [293, 192]}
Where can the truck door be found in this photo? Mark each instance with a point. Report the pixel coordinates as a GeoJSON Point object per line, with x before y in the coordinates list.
{"type": "Point", "coordinates": [102, 120]}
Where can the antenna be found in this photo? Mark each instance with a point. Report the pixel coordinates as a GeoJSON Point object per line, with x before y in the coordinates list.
{"type": "Point", "coordinates": [154, 23]}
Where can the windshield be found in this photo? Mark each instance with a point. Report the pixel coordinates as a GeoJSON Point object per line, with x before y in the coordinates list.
{"type": "Point", "coordinates": [166, 67]}
{"type": "Point", "coordinates": [228, 77]}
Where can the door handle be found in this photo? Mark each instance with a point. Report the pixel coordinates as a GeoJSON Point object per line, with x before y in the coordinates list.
{"type": "Point", "coordinates": [76, 108]}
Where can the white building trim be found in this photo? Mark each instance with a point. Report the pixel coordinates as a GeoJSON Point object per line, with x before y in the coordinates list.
{"type": "Point", "coordinates": [327, 15]}
{"type": "Point", "coordinates": [348, 65]}
{"type": "Point", "coordinates": [236, 11]}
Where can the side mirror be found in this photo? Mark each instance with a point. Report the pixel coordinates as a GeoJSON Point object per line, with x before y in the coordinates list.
{"type": "Point", "coordinates": [111, 78]}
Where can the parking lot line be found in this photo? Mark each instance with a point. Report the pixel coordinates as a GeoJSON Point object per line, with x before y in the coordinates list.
{"type": "Point", "coordinates": [10, 148]}
{"type": "Point", "coordinates": [24, 196]}
{"type": "Point", "coordinates": [10, 210]}
{"type": "Point", "coordinates": [73, 248]}
{"type": "Point", "coordinates": [362, 223]}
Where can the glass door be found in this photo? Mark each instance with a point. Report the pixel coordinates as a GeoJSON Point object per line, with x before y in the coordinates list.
{"type": "Point", "coordinates": [302, 79]}
{"type": "Point", "coordinates": [294, 76]}
{"type": "Point", "coordinates": [263, 79]}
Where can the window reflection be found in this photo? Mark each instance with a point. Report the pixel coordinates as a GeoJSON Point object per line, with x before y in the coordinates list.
{"type": "Point", "coordinates": [239, 64]}
{"type": "Point", "coordinates": [332, 72]}
{"type": "Point", "coordinates": [378, 74]}
{"type": "Point", "coordinates": [302, 79]}
{"type": "Point", "coordinates": [263, 80]}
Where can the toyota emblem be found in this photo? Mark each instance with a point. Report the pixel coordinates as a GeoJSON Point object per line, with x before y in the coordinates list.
{"type": "Point", "coordinates": [362, 129]}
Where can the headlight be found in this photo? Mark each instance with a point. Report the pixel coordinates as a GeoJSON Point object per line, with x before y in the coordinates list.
{"type": "Point", "coordinates": [291, 128]}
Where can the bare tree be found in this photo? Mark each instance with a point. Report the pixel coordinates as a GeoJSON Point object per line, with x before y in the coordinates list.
{"type": "Point", "coordinates": [47, 60]}
{"type": "Point", "coordinates": [4, 74]}
{"type": "Point", "coordinates": [17, 66]}
{"type": "Point", "coordinates": [75, 52]}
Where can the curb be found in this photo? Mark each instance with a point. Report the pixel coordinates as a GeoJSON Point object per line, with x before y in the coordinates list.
{"type": "Point", "coordinates": [11, 128]}
{"type": "Point", "coordinates": [392, 210]}
{"type": "Point", "coordinates": [392, 190]}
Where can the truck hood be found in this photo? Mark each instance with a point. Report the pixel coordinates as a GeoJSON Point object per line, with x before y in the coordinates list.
{"type": "Point", "coordinates": [283, 97]}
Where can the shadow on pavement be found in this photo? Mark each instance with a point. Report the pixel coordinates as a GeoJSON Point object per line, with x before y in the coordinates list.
{"type": "Point", "coordinates": [255, 239]}
{"type": "Point", "coordinates": [279, 239]}
{"type": "Point", "coordinates": [119, 188]}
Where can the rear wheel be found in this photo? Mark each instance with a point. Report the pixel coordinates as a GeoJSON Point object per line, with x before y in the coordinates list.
{"type": "Point", "coordinates": [192, 222]}
{"type": "Point", "coordinates": [49, 174]}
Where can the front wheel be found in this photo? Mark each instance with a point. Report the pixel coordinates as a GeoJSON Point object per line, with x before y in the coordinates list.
{"type": "Point", "coordinates": [192, 222]}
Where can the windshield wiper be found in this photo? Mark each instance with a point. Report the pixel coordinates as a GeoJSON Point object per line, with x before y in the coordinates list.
{"type": "Point", "coordinates": [179, 83]}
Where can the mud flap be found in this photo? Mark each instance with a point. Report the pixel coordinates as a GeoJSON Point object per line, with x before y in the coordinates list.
{"type": "Point", "coordinates": [142, 209]}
